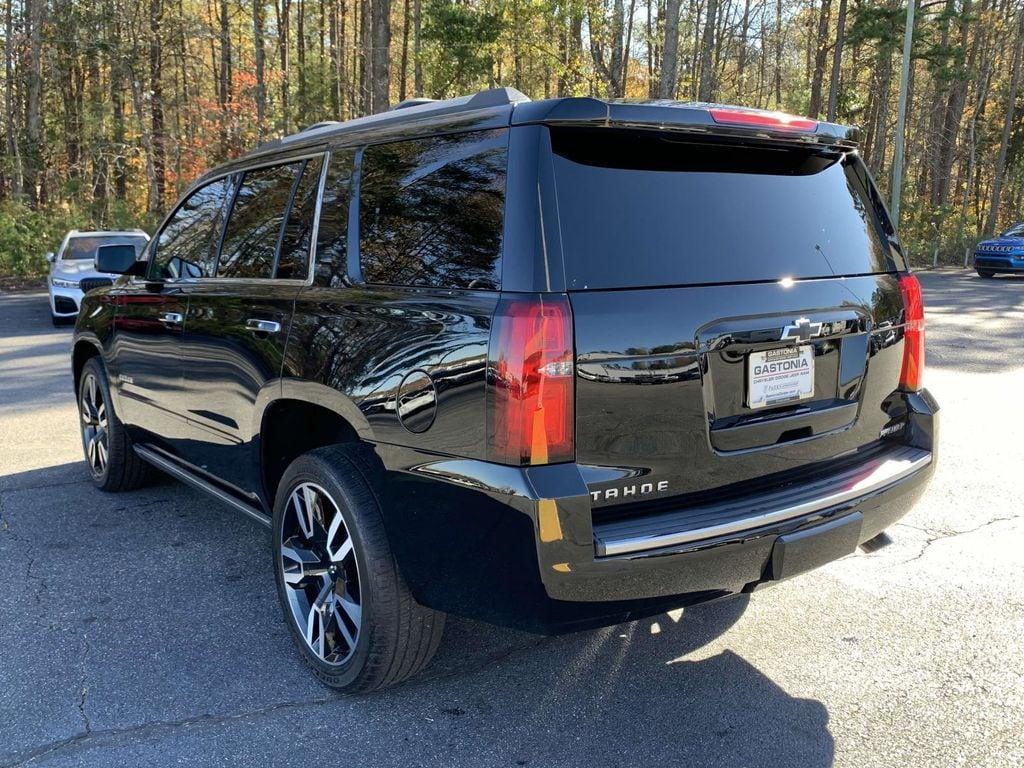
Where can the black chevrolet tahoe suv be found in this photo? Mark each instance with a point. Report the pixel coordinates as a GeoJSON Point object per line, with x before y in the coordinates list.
{"type": "Point", "coordinates": [548, 364]}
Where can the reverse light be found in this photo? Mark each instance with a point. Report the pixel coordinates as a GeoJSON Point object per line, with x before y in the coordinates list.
{"type": "Point", "coordinates": [759, 119]}
{"type": "Point", "coordinates": [912, 374]}
{"type": "Point", "coordinates": [530, 375]}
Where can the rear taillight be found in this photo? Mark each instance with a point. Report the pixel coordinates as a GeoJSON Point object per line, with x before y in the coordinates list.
{"type": "Point", "coordinates": [761, 119]}
{"type": "Point", "coordinates": [530, 381]}
{"type": "Point", "coordinates": [913, 334]}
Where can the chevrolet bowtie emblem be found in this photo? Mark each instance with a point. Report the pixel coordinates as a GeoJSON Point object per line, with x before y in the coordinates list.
{"type": "Point", "coordinates": [801, 330]}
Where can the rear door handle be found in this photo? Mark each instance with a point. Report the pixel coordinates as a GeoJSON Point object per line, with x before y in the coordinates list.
{"type": "Point", "coordinates": [172, 318]}
{"type": "Point", "coordinates": [262, 326]}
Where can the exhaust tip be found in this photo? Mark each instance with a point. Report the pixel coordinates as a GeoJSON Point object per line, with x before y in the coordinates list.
{"type": "Point", "coordinates": [880, 541]}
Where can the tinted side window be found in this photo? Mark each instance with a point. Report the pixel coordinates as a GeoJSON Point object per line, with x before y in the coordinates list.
{"type": "Point", "coordinates": [431, 210]}
{"type": "Point", "coordinates": [293, 257]}
{"type": "Point", "coordinates": [332, 234]}
{"type": "Point", "coordinates": [254, 224]}
{"type": "Point", "coordinates": [186, 246]}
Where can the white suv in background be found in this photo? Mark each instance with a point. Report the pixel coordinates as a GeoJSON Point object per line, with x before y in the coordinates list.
{"type": "Point", "coordinates": [73, 269]}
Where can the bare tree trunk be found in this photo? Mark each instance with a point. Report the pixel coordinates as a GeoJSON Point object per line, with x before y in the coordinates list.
{"type": "Point", "coordinates": [778, 54]}
{"type": "Point", "coordinates": [967, 175]}
{"type": "Point", "coordinates": [35, 13]}
{"type": "Point", "coordinates": [741, 64]}
{"type": "Point", "coordinates": [283, 11]}
{"type": "Point", "coordinates": [820, 57]}
{"type": "Point", "coordinates": [403, 74]}
{"type": "Point", "coordinates": [366, 56]}
{"type": "Point", "coordinates": [260, 55]}
{"type": "Point", "coordinates": [300, 49]}
{"type": "Point", "coordinates": [417, 61]}
{"type": "Point", "coordinates": [117, 107]}
{"type": "Point", "coordinates": [156, 107]}
{"type": "Point", "coordinates": [837, 63]}
{"type": "Point", "coordinates": [670, 57]}
{"type": "Point", "coordinates": [13, 150]}
{"type": "Point", "coordinates": [707, 73]}
{"type": "Point", "coordinates": [1011, 105]}
{"type": "Point", "coordinates": [954, 111]}
{"type": "Point", "coordinates": [381, 83]}
{"type": "Point", "coordinates": [629, 41]}
{"type": "Point", "coordinates": [97, 136]}
{"type": "Point", "coordinates": [610, 70]}
{"type": "Point", "coordinates": [224, 79]}
{"type": "Point", "coordinates": [650, 50]}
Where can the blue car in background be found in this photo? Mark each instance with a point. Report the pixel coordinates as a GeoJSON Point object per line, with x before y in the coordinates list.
{"type": "Point", "coordinates": [1002, 254]}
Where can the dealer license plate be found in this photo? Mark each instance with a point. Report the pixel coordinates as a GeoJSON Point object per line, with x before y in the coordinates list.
{"type": "Point", "coordinates": [778, 376]}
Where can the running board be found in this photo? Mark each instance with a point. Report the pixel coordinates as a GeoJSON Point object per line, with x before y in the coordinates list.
{"type": "Point", "coordinates": [179, 473]}
{"type": "Point", "coordinates": [696, 524]}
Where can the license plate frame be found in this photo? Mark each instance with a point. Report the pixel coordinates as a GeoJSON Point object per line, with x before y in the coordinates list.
{"type": "Point", "coordinates": [780, 376]}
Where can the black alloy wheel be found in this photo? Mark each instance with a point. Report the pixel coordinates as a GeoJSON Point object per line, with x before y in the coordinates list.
{"type": "Point", "coordinates": [113, 463]}
{"type": "Point", "coordinates": [95, 433]}
{"type": "Point", "coordinates": [321, 575]}
{"type": "Point", "coordinates": [349, 611]}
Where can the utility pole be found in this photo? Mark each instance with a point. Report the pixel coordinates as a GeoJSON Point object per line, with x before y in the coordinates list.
{"type": "Point", "coordinates": [901, 117]}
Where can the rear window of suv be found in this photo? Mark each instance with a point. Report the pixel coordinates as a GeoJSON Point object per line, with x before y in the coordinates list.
{"type": "Point", "coordinates": [638, 209]}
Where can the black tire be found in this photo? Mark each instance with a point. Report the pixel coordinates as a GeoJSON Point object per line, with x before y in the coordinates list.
{"type": "Point", "coordinates": [395, 637]}
{"type": "Point", "coordinates": [986, 273]}
{"type": "Point", "coordinates": [117, 467]}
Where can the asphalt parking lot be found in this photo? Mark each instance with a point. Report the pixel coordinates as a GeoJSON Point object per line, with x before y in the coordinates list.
{"type": "Point", "coordinates": [143, 629]}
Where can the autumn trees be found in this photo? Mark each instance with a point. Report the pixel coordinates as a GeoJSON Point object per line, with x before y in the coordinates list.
{"type": "Point", "coordinates": [112, 106]}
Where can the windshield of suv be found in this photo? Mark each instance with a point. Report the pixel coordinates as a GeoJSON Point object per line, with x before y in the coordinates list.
{"type": "Point", "coordinates": [641, 209]}
{"type": "Point", "coordinates": [85, 247]}
{"type": "Point", "coordinates": [1017, 230]}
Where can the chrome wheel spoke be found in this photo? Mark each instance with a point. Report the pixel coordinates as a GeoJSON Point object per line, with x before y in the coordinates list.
{"type": "Point", "coordinates": [338, 531]}
{"type": "Point", "coordinates": [339, 620]}
{"type": "Point", "coordinates": [318, 618]}
{"type": "Point", "coordinates": [302, 503]}
{"type": "Point", "coordinates": [352, 609]}
{"type": "Point", "coordinates": [298, 564]}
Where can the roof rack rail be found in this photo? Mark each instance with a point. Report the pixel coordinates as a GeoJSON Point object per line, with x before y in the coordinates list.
{"type": "Point", "coordinates": [410, 109]}
{"type": "Point", "coordinates": [321, 124]}
{"type": "Point", "coordinates": [413, 102]}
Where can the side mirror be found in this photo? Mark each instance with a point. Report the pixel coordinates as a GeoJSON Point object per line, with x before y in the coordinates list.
{"type": "Point", "coordinates": [50, 256]}
{"type": "Point", "coordinates": [116, 259]}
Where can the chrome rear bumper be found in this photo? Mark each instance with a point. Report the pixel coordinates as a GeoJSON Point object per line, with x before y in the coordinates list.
{"type": "Point", "coordinates": [695, 524]}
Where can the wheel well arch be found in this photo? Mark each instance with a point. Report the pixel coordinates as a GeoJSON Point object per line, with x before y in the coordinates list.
{"type": "Point", "coordinates": [81, 354]}
{"type": "Point", "coordinates": [290, 428]}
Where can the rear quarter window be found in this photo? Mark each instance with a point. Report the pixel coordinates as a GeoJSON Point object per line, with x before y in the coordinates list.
{"type": "Point", "coordinates": [638, 209]}
{"type": "Point", "coordinates": [431, 210]}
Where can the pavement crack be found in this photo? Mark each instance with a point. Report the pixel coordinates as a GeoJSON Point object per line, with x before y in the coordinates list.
{"type": "Point", "coordinates": [92, 737]}
{"type": "Point", "coordinates": [942, 535]}
{"type": "Point", "coordinates": [83, 684]}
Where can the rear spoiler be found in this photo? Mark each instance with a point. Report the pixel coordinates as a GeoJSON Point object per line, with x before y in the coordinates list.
{"type": "Point", "coordinates": [688, 116]}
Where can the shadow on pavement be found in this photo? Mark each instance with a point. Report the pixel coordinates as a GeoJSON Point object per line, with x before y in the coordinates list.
{"type": "Point", "coordinates": [623, 695]}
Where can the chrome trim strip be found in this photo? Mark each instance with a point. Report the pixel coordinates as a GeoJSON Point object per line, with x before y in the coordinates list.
{"type": "Point", "coordinates": [887, 473]}
{"type": "Point", "coordinates": [199, 484]}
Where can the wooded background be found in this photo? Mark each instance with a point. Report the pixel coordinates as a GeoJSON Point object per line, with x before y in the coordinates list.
{"type": "Point", "coordinates": [111, 107]}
